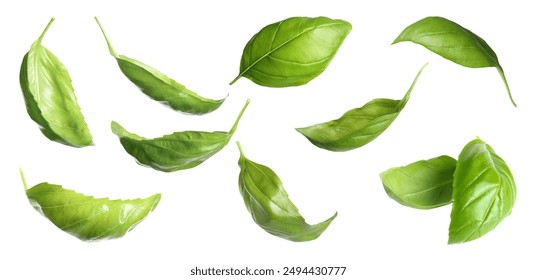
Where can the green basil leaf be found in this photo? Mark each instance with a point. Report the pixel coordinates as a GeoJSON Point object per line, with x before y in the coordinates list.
{"type": "Point", "coordinates": [177, 151]}
{"type": "Point", "coordinates": [160, 87]}
{"type": "Point", "coordinates": [453, 42]}
{"type": "Point", "coordinates": [50, 98]}
{"type": "Point", "coordinates": [484, 192]}
{"type": "Point", "coordinates": [292, 52]}
{"type": "Point", "coordinates": [359, 126]}
{"type": "Point", "coordinates": [86, 217]}
{"type": "Point", "coordinates": [424, 184]}
{"type": "Point", "coordinates": [270, 207]}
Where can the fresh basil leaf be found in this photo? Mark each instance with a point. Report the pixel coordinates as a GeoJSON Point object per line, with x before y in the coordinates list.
{"type": "Point", "coordinates": [424, 184]}
{"type": "Point", "coordinates": [86, 217]}
{"type": "Point", "coordinates": [177, 151]}
{"type": "Point", "coordinates": [359, 126]}
{"type": "Point", "coordinates": [50, 98]}
{"type": "Point", "coordinates": [270, 207]}
{"type": "Point", "coordinates": [292, 52]}
{"type": "Point", "coordinates": [453, 42]}
{"type": "Point", "coordinates": [484, 192]}
{"type": "Point", "coordinates": [160, 87]}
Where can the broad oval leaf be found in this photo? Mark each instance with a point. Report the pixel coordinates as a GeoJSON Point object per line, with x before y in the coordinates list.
{"type": "Point", "coordinates": [453, 42]}
{"type": "Point", "coordinates": [270, 207]}
{"type": "Point", "coordinates": [160, 87]}
{"type": "Point", "coordinates": [359, 126]}
{"type": "Point", "coordinates": [177, 151]}
{"type": "Point", "coordinates": [484, 192]}
{"type": "Point", "coordinates": [86, 217]}
{"type": "Point", "coordinates": [292, 52]}
{"type": "Point", "coordinates": [50, 98]}
{"type": "Point", "coordinates": [424, 184]}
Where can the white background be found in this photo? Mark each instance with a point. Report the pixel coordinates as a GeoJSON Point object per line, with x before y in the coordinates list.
{"type": "Point", "coordinates": [201, 220]}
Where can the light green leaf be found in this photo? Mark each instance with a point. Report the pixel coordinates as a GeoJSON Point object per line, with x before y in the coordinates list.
{"type": "Point", "coordinates": [86, 217]}
{"type": "Point", "coordinates": [424, 184]}
{"type": "Point", "coordinates": [292, 52]}
{"type": "Point", "coordinates": [270, 207]}
{"type": "Point", "coordinates": [177, 151]}
{"type": "Point", "coordinates": [453, 42]}
{"type": "Point", "coordinates": [50, 98]}
{"type": "Point", "coordinates": [359, 126]}
{"type": "Point", "coordinates": [484, 192]}
{"type": "Point", "coordinates": [160, 87]}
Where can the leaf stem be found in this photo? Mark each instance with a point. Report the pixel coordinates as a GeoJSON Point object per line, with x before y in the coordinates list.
{"type": "Point", "coordinates": [403, 102]}
{"type": "Point", "coordinates": [45, 31]}
{"type": "Point", "coordinates": [502, 74]}
{"type": "Point", "coordinates": [236, 78]}
{"type": "Point", "coordinates": [110, 48]}
{"type": "Point", "coordinates": [240, 148]}
{"type": "Point", "coordinates": [23, 179]}
{"type": "Point", "coordinates": [239, 118]}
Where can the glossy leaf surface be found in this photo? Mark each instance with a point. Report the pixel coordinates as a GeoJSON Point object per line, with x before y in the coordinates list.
{"type": "Point", "coordinates": [160, 87]}
{"type": "Point", "coordinates": [86, 217]}
{"type": "Point", "coordinates": [424, 184]}
{"type": "Point", "coordinates": [484, 193]}
{"type": "Point", "coordinates": [359, 126]}
{"type": "Point", "coordinates": [50, 98]}
{"type": "Point", "coordinates": [270, 207]}
{"type": "Point", "coordinates": [292, 52]}
{"type": "Point", "coordinates": [177, 151]}
{"type": "Point", "coordinates": [453, 42]}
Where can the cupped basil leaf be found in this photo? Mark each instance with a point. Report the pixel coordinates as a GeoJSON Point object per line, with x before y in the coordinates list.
{"type": "Point", "coordinates": [424, 184]}
{"type": "Point", "coordinates": [359, 126]}
{"type": "Point", "coordinates": [50, 98]}
{"type": "Point", "coordinates": [86, 217]}
{"type": "Point", "coordinates": [453, 42]}
{"type": "Point", "coordinates": [160, 87]}
{"type": "Point", "coordinates": [177, 151]}
{"type": "Point", "coordinates": [270, 207]}
{"type": "Point", "coordinates": [484, 192]}
{"type": "Point", "coordinates": [292, 52]}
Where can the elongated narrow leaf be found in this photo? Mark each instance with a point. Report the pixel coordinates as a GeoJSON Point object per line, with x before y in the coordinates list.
{"type": "Point", "coordinates": [270, 207]}
{"type": "Point", "coordinates": [177, 151]}
{"type": "Point", "coordinates": [359, 126]}
{"type": "Point", "coordinates": [50, 98]}
{"type": "Point", "coordinates": [453, 42]}
{"type": "Point", "coordinates": [484, 192]}
{"type": "Point", "coordinates": [292, 52]}
{"type": "Point", "coordinates": [160, 87]}
{"type": "Point", "coordinates": [86, 217]}
{"type": "Point", "coordinates": [424, 184]}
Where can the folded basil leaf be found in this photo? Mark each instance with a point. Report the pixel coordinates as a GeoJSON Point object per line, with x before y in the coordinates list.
{"type": "Point", "coordinates": [453, 42]}
{"type": "Point", "coordinates": [50, 98]}
{"type": "Point", "coordinates": [424, 184]}
{"type": "Point", "coordinates": [160, 87]}
{"type": "Point", "coordinates": [270, 207]}
{"type": "Point", "coordinates": [86, 217]}
{"type": "Point", "coordinates": [292, 52]}
{"type": "Point", "coordinates": [484, 192]}
{"type": "Point", "coordinates": [177, 151]}
{"type": "Point", "coordinates": [359, 126]}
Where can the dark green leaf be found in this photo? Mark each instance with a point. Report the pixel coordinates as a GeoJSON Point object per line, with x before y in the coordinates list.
{"type": "Point", "coordinates": [484, 192]}
{"type": "Point", "coordinates": [270, 207]}
{"type": "Point", "coordinates": [86, 217]}
{"type": "Point", "coordinates": [177, 151]}
{"type": "Point", "coordinates": [453, 42]}
{"type": "Point", "coordinates": [160, 87]}
{"type": "Point", "coordinates": [359, 126]}
{"type": "Point", "coordinates": [50, 97]}
{"type": "Point", "coordinates": [292, 52]}
{"type": "Point", "coordinates": [424, 184]}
